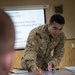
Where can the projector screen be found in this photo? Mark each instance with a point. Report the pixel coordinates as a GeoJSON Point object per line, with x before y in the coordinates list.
{"type": "Point", "coordinates": [24, 21]}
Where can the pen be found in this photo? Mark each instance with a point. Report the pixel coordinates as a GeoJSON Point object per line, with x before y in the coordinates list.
{"type": "Point", "coordinates": [53, 69]}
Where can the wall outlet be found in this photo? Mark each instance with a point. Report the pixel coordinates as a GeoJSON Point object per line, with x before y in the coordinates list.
{"type": "Point", "coordinates": [72, 45]}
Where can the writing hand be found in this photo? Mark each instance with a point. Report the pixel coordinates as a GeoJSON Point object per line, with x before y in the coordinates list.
{"type": "Point", "coordinates": [36, 70]}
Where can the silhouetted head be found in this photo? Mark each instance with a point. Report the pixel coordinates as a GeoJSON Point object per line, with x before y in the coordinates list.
{"type": "Point", "coordinates": [7, 39]}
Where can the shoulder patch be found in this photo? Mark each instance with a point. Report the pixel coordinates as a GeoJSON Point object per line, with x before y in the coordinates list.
{"type": "Point", "coordinates": [38, 34]}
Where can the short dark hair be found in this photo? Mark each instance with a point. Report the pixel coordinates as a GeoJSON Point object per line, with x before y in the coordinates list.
{"type": "Point", "coordinates": [57, 18]}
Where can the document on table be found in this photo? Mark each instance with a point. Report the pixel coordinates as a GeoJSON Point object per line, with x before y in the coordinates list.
{"type": "Point", "coordinates": [18, 71]}
{"type": "Point", "coordinates": [72, 68]}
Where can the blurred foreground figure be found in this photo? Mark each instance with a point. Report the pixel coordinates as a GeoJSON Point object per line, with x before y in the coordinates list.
{"type": "Point", "coordinates": [7, 39]}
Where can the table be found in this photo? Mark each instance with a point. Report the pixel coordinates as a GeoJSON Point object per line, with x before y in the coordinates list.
{"type": "Point", "coordinates": [56, 72]}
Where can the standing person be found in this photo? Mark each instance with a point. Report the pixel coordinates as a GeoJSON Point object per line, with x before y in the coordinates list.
{"type": "Point", "coordinates": [41, 41]}
{"type": "Point", "coordinates": [7, 39]}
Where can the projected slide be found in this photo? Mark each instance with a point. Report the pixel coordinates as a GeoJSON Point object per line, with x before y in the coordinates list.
{"type": "Point", "coordinates": [24, 21]}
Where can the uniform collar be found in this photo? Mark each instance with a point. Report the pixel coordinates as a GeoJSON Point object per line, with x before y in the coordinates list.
{"type": "Point", "coordinates": [46, 30]}
{"type": "Point", "coordinates": [46, 33]}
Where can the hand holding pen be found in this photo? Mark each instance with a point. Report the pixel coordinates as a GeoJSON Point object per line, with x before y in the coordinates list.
{"type": "Point", "coordinates": [36, 70]}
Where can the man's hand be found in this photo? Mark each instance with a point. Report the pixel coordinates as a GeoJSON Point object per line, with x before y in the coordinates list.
{"type": "Point", "coordinates": [36, 70]}
{"type": "Point", "coordinates": [49, 66]}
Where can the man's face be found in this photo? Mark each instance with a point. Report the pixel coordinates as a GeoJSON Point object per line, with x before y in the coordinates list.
{"type": "Point", "coordinates": [55, 29]}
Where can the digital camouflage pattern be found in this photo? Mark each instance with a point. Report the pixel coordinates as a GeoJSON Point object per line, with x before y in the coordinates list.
{"type": "Point", "coordinates": [39, 46]}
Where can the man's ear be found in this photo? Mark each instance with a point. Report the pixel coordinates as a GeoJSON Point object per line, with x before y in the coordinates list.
{"type": "Point", "coordinates": [49, 24]}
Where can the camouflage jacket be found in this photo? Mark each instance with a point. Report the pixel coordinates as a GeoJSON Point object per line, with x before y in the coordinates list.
{"type": "Point", "coordinates": [39, 47]}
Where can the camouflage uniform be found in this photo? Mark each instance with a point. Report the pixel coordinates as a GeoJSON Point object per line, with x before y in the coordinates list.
{"type": "Point", "coordinates": [39, 46]}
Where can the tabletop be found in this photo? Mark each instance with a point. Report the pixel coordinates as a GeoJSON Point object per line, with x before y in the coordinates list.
{"type": "Point", "coordinates": [56, 72]}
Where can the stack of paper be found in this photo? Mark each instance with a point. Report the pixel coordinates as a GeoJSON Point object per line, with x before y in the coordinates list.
{"type": "Point", "coordinates": [72, 68]}
{"type": "Point", "coordinates": [19, 71]}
